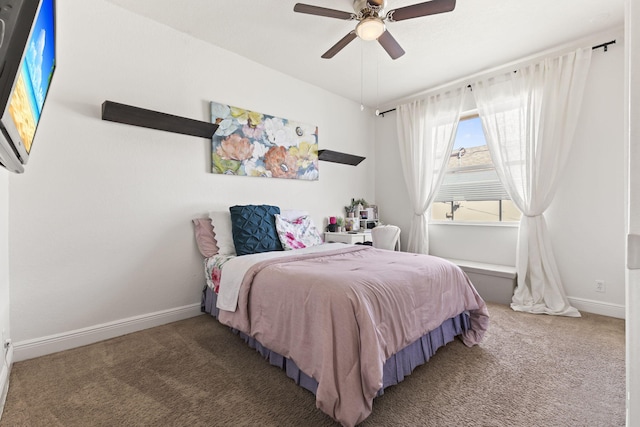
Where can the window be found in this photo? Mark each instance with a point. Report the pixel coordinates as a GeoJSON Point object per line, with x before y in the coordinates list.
{"type": "Point", "coordinates": [471, 189]}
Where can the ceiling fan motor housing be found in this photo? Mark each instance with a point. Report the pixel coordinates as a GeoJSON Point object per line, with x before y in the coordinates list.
{"type": "Point", "coordinates": [369, 7]}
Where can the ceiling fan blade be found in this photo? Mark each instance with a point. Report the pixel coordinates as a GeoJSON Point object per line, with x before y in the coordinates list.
{"type": "Point", "coordinates": [322, 11]}
{"type": "Point", "coordinates": [421, 9]}
{"type": "Point", "coordinates": [390, 44]}
{"type": "Point", "coordinates": [340, 45]}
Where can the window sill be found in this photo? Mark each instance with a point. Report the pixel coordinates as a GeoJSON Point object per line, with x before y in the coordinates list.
{"type": "Point", "coordinates": [510, 224]}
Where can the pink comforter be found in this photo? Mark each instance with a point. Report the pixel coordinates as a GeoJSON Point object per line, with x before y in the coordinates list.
{"type": "Point", "coordinates": [339, 315]}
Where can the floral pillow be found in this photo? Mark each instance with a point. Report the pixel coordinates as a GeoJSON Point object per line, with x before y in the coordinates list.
{"type": "Point", "coordinates": [213, 270]}
{"type": "Point", "coordinates": [297, 233]}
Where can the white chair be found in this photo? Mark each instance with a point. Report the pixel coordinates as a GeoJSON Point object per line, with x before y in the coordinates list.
{"type": "Point", "coordinates": [386, 237]}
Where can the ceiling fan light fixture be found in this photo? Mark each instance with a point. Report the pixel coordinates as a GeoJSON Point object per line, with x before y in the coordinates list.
{"type": "Point", "coordinates": [370, 28]}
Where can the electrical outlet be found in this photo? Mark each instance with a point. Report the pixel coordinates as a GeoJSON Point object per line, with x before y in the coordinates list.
{"type": "Point", "coordinates": [600, 286]}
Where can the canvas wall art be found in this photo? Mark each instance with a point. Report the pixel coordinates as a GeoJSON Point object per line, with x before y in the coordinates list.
{"type": "Point", "coordinates": [248, 143]}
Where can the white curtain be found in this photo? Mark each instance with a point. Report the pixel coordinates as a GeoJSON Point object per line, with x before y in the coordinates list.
{"type": "Point", "coordinates": [529, 118]}
{"type": "Point", "coordinates": [426, 132]}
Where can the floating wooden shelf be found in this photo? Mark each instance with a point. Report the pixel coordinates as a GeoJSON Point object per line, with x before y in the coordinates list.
{"type": "Point", "coordinates": [127, 114]}
{"type": "Point", "coordinates": [121, 113]}
{"type": "Point", "coordinates": [337, 157]}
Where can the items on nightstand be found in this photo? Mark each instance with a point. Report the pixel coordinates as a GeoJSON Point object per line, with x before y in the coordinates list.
{"type": "Point", "coordinates": [369, 217]}
{"type": "Point", "coordinates": [354, 208]}
{"type": "Point", "coordinates": [332, 227]}
{"type": "Point", "coordinates": [352, 224]}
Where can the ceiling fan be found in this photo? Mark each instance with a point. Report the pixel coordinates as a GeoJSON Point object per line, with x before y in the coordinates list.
{"type": "Point", "coordinates": [371, 17]}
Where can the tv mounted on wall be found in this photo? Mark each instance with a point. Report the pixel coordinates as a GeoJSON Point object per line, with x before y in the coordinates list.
{"type": "Point", "coordinates": [27, 63]}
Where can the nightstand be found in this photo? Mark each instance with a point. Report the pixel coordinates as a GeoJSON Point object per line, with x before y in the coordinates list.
{"type": "Point", "coordinates": [345, 237]}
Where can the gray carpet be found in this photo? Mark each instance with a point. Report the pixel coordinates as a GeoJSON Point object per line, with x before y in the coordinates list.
{"type": "Point", "coordinates": [530, 370]}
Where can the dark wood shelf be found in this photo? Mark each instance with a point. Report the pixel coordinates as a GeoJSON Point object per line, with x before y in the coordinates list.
{"type": "Point", "coordinates": [337, 157]}
{"type": "Point", "coordinates": [122, 113]}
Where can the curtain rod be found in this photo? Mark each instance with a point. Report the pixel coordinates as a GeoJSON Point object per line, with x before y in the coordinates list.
{"type": "Point", "coordinates": [604, 46]}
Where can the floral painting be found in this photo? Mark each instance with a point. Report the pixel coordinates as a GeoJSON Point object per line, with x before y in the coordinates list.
{"type": "Point", "coordinates": [254, 144]}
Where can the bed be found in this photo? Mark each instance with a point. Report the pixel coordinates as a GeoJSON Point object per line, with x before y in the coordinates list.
{"type": "Point", "coordinates": [344, 321]}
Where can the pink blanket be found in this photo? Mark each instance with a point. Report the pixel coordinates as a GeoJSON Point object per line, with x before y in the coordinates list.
{"type": "Point", "coordinates": [339, 315]}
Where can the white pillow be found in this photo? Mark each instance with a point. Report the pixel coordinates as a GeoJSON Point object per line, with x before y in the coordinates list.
{"type": "Point", "coordinates": [291, 214]}
{"type": "Point", "coordinates": [221, 221]}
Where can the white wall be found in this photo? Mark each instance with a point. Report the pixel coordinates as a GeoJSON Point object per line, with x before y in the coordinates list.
{"type": "Point", "coordinates": [586, 219]}
{"type": "Point", "coordinates": [4, 251]}
{"type": "Point", "coordinates": [5, 331]}
{"type": "Point", "coordinates": [100, 221]}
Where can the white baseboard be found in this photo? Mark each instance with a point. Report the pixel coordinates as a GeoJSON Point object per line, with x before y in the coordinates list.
{"type": "Point", "coordinates": [5, 372]}
{"type": "Point", "coordinates": [37, 347]}
{"type": "Point", "coordinates": [598, 307]}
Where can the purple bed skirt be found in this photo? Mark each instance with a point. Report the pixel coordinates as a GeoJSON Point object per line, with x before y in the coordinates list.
{"type": "Point", "coordinates": [395, 368]}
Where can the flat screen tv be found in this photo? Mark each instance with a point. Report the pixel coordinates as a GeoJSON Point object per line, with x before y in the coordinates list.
{"type": "Point", "coordinates": [27, 63]}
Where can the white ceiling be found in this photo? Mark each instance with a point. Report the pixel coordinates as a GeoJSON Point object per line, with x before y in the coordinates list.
{"type": "Point", "coordinates": [477, 35]}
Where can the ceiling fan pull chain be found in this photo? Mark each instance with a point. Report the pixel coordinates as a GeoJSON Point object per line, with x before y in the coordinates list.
{"type": "Point", "coordinates": [378, 85]}
{"type": "Point", "coordinates": [361, 76]}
